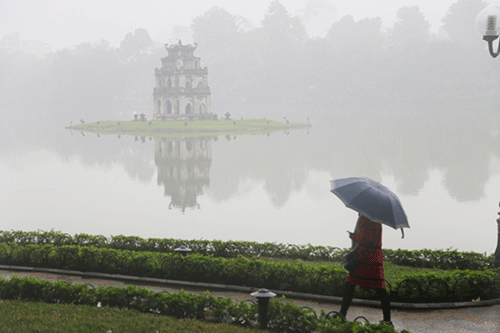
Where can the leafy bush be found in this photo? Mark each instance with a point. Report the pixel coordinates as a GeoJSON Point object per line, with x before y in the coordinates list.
{"type": "Point", "coordinates": [451, 285]}
{"type": "Point", "coordinates": [282, 317]}
{"type": "Point", "coordinates": [444, 259]}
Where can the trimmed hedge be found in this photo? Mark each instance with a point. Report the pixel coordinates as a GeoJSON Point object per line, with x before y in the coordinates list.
{"type": "Point", "coordinates": [452, 285]}
{"type": "Point", "coordinates": [444, 259]}
{"type": "Point", "coordinates": [217, 248]}
{"type": "Point", "coordinates": [283, 317]}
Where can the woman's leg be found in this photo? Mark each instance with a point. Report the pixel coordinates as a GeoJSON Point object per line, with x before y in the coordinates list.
{"type": "Point", "coordinates": [386, 303]}
{"type": "Point", "coordinates": [348, 296]}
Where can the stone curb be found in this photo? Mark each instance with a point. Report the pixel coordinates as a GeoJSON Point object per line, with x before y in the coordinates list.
{"type": "Point", "coordinates": [248, 290]}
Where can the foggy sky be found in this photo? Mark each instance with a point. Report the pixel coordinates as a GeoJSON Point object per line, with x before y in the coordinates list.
{"type": "Point", "coordinates": [71, 22]}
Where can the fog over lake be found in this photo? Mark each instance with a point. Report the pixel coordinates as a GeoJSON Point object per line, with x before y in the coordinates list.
{"type": "Point", "coordinates": [271, 188]}
{"type": "Point", "coordinates": [411, 102]}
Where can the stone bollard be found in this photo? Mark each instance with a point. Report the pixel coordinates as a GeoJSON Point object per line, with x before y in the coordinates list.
{"type": "Point", "coordinates": [496, 261]}
{"type": "Point", "coordinates": [263, 296]}
{"type": "Point", "coordinates": [183, 250]}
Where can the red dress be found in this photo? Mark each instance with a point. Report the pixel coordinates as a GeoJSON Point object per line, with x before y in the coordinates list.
{"type": "Point", "coordinates": [370, 271]}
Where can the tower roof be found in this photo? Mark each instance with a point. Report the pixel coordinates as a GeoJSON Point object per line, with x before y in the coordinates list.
{"type": "Point", "coordinates": [180, 47]}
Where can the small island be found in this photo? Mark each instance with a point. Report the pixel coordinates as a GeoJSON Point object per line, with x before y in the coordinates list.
{"type": "Point", "coordinates": [187, 127]}
{"type": "Point", "coordinates": [182, 105]}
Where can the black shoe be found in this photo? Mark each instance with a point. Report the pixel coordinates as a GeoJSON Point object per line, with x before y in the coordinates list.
{"type": "Point", "coordinates": [387, 322]}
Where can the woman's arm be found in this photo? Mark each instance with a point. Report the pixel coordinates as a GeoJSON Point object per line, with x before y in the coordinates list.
{"type": "Point", "coordinates": [366, 234]}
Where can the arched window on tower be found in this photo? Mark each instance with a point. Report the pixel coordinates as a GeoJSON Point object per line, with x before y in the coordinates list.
{"type": "Point", "coordinates": [189, 146]}
{"type": "Point", "coordinates": [202, 108]}
{"type": "Point", "coordinates": [169, 107]}
{"type": "Point", "coordinates": [188, 85]}
{"type": "Point", "coordinates": [169, 83]}
{"type": "Point", "coordinates": [188, 108]}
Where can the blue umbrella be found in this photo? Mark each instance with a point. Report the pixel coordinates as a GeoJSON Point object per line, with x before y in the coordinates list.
{"type": "Point", "coordinates": [372, 200]}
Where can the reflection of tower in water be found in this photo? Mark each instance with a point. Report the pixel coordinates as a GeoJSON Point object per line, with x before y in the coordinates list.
{"type": "Point", "coordinates": [183, 168]}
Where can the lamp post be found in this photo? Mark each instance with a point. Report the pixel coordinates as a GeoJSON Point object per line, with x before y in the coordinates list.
{"type": "Point", "coordinates": [263, 297]}
{"type": "Point", "coordinates": [488, 26]}
{"type": "Point", "coordinates": [183, 250]}
{"type": "Point", "coordinates": [496, 261]}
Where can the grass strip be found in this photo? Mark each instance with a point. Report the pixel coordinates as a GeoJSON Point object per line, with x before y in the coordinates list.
{"type": "Point", "coordinates": [392, 271]}
{"type": "Point", "coordinates": [24, 316]}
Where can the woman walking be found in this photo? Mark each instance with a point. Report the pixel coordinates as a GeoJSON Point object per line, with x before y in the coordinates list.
{"type": "Point", "coordinates": [376, 205]}
{"type": "Point", "coordinates": [369, 273]}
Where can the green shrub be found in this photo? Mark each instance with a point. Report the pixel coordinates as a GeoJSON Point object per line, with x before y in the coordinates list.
{"type": "Point", "coordinates": [283, 317]}
{"type": "Point", "coordinates": [444, 259]}
{"type": "Point", "coordinates": [419, 286]}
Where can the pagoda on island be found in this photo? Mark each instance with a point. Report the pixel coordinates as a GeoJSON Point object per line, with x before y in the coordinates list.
{"type": "Point", "coordinates": [181, 86]}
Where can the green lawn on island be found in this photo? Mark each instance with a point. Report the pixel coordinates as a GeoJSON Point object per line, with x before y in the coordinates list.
{"type": "Point", "coordinates": [195, 127]}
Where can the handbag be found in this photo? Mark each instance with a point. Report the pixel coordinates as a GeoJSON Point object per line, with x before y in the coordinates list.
{"type": "Point", "coordinates": [351, 259]}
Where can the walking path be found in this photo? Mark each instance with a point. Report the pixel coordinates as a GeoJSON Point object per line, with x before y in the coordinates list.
{"type": "Point", "coordinates": [469, 317]}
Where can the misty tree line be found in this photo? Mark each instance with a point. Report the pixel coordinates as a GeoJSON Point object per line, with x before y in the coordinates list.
{"type": "Point", "coordinates": [273, 64]}
{"type": "Point", "coordinates": [277, 62]}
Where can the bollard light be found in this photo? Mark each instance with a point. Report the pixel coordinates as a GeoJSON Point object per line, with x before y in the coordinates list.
{"type": "Point", "coordinates": [496, 260]}
{"type": "Point", "coordinates": [183, 250]}
{"type": "Point", "coordinates": [263, 296]}
{"type": "Point", "coordinates": [488, 26]}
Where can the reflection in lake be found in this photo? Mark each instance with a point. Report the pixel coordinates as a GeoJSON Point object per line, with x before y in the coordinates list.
{"type": "Point", "coordinates": [444, 166]}
{"type": "Point", "coordinates": [183, 169]}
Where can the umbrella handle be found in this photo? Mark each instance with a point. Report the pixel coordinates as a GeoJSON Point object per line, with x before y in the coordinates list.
{"type": "Point", "coordinates": [402, 233]}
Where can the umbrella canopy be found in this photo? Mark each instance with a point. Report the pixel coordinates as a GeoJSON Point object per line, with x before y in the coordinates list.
{"type": "Point", "coordinates": [372, 200]}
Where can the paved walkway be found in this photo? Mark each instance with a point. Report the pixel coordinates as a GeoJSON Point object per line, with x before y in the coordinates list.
{"type": "Point", "coordinates": [458, 318]}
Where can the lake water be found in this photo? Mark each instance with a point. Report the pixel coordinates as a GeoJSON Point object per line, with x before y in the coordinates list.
{"type": "Point", "coordinates": [444, 167]}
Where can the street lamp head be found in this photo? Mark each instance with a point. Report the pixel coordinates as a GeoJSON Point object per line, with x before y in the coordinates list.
{"type": "Point", "coordinates": [488, 21]}
{"type": "Point", "coordinates": [488, 26]}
